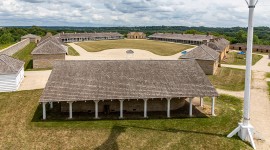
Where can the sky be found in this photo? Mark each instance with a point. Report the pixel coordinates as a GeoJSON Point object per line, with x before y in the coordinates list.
{"type": "Point", "coordinates": [98, 13]}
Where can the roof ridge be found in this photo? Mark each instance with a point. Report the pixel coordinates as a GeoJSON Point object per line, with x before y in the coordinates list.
{"type": "Point", "coordinates": [12, 67]}
{"type": "Point", "coordinates": [207, 52]}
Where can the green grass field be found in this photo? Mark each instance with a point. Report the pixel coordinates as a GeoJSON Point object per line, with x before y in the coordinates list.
{"type": "Point", "coordinates": [156, 47]}
{"type": "Point", "coordinates": [229, 79]}
{"type": "Point", "coordinates": [20, 130]}
{"type": "Point", "coordinates": [25, 55]}
{"type": "Point", "coordinates": [235, 59]}
{"type": "Point", "coordinates": [3, 46]}
{"type": "Point", "coordinates": [72, 51]}
{"type": "Point", "coordinates": [267, 75]}
{"type": "Point", "coordinates": [268, 83]}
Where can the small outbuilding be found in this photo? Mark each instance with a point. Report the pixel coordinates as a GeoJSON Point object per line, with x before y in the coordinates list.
{"type": "Point", "coordinates": [144, 86]}
{"type": "Point", "coordinates": [32, 37]}
{"type": "Point", "coordinates": [11, 73]}
{"type": "Point", "coordinates": [45, 54]}
{"type": "Point", "coordinates": [136, 35]}
{"type": "Point", "coordinates": [221, 45]}
{"type": "Point", "coordinates": [206, 57]}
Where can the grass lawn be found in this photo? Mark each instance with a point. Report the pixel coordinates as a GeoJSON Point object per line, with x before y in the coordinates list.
{"type": "Point", "coordinates": [72, 51]}
{"type": "Point", "coordinates": [229, 79]}
{"type": "Point", "coordinates": [3, 46]}
{"type": "Point", "coordinates": [156, 47]}
{"type": "Point", "coordinates": [268, 64]}
{"type": "Point", "coordinates": [267, 75]}
{"type": "Point", "coordinates": [25, 55]}
{"type": "Point", "coordinates": [20, 130]}
{"type": "Point", "coordinates": [234, 59]}
{"type": "Point", "coordinates": [268, 83]}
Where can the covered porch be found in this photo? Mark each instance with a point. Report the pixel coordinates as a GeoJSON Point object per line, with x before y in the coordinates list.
{"type": "Point", "coordinates": [189, 107]}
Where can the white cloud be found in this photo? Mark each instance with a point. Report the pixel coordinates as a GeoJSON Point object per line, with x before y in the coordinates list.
{"type": "Point", "coordinates": [131, 12]}
{"type": "Point", "coordinates": [97, 17]}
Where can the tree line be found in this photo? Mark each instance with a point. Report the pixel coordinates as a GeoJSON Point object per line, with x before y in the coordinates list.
{"type": "Point", "coordinates": [234, 34]}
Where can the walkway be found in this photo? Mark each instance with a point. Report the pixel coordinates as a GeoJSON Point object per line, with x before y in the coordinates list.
{"type": "Point", "coordinates": [34, 80]}
{"type": "Point", "coordinates": [260, 104]}
{"type": "Point", "coordinates": [119, 54]}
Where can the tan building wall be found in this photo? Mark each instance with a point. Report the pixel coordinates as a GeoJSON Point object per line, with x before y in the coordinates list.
{"type": "Point", "coordinates": [128, 105]}
{"type": "Point", "coordinates": [35, 40]}
{"type": "Point", "coordinates": [208, 66]}
{"type": "Point", "coordinates": [256, 48]}
{"type": "Point", "coordinates": [136, 35]}
{"type": "Point", "coordinates": [46, 61]}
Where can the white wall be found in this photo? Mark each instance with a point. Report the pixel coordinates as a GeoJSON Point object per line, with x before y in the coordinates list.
{"type": "Point", "coordinates": [9, 83]}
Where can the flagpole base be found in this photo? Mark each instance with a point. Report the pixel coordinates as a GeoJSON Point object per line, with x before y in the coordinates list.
{"type": "Point", "coordinates": [245, 132]}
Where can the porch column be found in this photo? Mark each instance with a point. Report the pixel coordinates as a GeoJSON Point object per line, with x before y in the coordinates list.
{"type": "Point", "coordinates": [190, 106]}
{"type": "Point", "coordinates": [169, 107]}
{"type": "Point", "coordinates": [213, 107]}
{"type": "Point", "coordinates": [44, 110]}
{"type": "Point", "coordinates": [96, 109]}
{"type": "Point", "coordinates": [51, 105]}
{"type": "Point", "coordinates": [70, 110]}
{"type": "Point", "coordinates": [121, 109]}
{"type": "Point", "coordinates": [145, 108]}
{"type": "Point", "coordinates": [201, 101]}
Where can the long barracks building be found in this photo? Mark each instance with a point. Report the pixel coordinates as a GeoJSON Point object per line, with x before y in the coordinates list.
{"type": "Point", "coordinates": [79, 37]}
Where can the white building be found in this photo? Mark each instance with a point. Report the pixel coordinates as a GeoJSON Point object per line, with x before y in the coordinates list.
{"type": "Point", "coordinates": [11, 73]}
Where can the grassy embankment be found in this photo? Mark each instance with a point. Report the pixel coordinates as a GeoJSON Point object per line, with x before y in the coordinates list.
{"type": "Point", "coordinates": [21, 128]}
{"type": "Point", "coordinates": [25, 55]}
{"type": "Point", "coordinates": [229, 79]}
{"type": "Point", "coordinates": [72, 51]}
{"type": "Point", "coordinates": [235, 59]}
{"type": "Point", "coordinates": [156, 47]}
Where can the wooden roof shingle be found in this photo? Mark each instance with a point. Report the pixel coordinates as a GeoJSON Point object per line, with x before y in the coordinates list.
{"type": "Point", "coordinates": [9, 65]}
{"type": "Point", "coordinates": [138, 79]}
{"type": "Point", "coordinates": [202, 52]}
{"type": "Point", "coordinates": [49, 47]}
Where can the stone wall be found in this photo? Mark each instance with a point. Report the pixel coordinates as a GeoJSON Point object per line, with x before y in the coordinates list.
{"type": "Point", "coordinates": [15, 48]}
{"type": "Point", "coordinates": [256, 48]}
{"type": "Point", "coordinates": [208, 66]}
{"type": "Point", "coordinates": [128, 105]}
{"type": "Point", "coordinates": [46, 61]}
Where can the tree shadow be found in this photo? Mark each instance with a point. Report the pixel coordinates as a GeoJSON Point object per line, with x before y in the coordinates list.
{"type": "Point", "coordinates": [111, 142]}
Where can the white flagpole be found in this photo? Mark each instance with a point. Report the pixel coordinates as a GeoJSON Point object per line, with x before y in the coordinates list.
{"type": "Point", "coordinates": [245, 129]}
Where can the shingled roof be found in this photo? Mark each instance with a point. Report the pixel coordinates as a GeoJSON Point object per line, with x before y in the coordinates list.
{"type": "Point", "coordinates": [50, 38]}
{"type": "Point", "coordinates": [190, 37]}
{"type": "Point", "coordinates": [9, 65]}
{"type": "Point", "coordinates": [49, 47]}
{"type": "Point", "coordinates": [219, 44]}
{"type": "Point", "coordinates": [138, 79]}
{"type": "Point", "coordinates": [30, 36]}
{"type": "Point", "coordinates": [202, 52]}
{"type": "Point", "coordinates": [93, 35]}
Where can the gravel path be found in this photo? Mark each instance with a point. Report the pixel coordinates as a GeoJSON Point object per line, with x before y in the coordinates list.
{"type": "Point", "coordinates": [260, 104]}
{"type": "Point", "coordinates": [34, 80]}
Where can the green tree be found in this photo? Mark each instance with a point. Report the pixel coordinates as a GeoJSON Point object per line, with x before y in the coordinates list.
{"type": "Point", "coordinates": [6, 38]}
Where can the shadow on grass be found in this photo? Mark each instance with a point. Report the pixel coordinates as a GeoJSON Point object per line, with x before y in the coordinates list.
{"type": "Point", "coordinates": [29, 65]}
{"type": "Point", "coordinates": [55, 115]}
{"type": "Point", "coordinates": [111, 142]}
